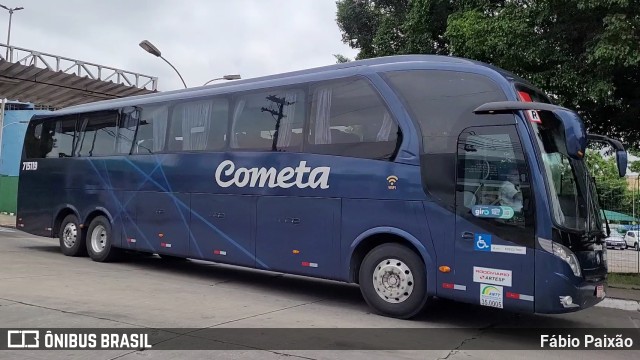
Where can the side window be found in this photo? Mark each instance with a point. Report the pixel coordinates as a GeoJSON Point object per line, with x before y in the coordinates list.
{"type": "Point", "coordinates": [35, 142]}
{"type": "Point", "coordinates": [199, 125]}
{"type": "Point", "coordinates": [493, 187]}
{"type": "Point", "coordinates": [58, 137]}
{"type": "Point", "coordinates": [97, 133]}
{"type": "Point", "coordinates": [348, 118]}
{"type": "Point", "coordinates": [152, 129]}
{"type": "Point", "coordinates": [127, 129]}
{"type": "Point", "coordinates": [271, 120]}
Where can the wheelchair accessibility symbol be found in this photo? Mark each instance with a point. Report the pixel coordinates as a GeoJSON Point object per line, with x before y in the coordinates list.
{"type": "Point", "coordinates": [482, 242]}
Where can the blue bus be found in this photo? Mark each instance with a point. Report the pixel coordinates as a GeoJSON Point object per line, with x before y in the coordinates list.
{"type": "Point", "coordinates": [413, 176]}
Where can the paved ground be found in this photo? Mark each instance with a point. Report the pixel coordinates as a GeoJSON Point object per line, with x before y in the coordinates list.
{"type": "Point", "coordinates": [39, 287]}
{"type": "Point", "coordinates": [7, 220]}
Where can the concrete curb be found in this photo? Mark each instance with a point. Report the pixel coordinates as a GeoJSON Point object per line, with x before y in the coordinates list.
{"type": "Point", "coordinates": [620, 304]}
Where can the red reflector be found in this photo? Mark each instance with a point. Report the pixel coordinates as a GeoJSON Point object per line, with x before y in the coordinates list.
{"type": "Point", "coordinates": [511, 295]}
{"type": "Point", "coordinates": [448, 286]}
{"type": "Point", "coordinates": [305, 263]}
{"type": "Point", "coordinates": [524, 96]}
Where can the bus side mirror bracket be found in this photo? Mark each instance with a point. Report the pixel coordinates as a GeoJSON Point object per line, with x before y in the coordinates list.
{"type": "Point", "coordinates": [621, 154]}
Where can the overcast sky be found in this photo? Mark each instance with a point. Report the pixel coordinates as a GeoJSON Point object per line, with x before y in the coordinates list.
{"type": "Point", "coordinates": [204, 39]}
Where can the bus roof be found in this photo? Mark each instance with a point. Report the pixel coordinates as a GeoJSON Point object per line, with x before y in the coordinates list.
{"type": "Point", "coordinates": [215, 88]}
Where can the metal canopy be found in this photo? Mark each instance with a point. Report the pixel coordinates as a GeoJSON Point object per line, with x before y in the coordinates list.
{"type": "Point", "coordinates": [44, 79]}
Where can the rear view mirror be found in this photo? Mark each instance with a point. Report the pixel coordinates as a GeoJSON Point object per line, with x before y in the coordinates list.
{"type": "Point", "coordinates": [621, 154]}
{"type": "Point", "coordinates": [621, 160]}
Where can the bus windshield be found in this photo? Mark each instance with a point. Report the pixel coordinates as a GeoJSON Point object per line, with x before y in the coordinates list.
{"type": "Point", "coordinates": [573, 201]}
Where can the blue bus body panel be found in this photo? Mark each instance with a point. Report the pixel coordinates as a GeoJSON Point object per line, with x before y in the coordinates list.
{"type": "Point", "coordinates": [223, 228]}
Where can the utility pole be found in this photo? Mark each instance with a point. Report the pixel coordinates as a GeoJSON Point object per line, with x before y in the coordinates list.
{"type": "Point", "coordinates": [278, 115]}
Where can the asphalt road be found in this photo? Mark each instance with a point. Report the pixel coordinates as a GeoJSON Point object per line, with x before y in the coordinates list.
{"type": "Point", "coordinates": [39, 287]}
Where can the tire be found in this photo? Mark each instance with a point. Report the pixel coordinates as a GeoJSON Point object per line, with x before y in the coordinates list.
{"type": "Point", "coordinates": [410, 274]}
{"type": "Point", "coordinates": [99, 241]}
{"type": "Point", "coordinates": [637, 247]}
{"type": "Point", "coordinates": [71, 237]}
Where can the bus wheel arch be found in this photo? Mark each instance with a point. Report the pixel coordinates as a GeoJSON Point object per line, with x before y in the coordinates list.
{"type": "Point", "coordinates": [98, 211]}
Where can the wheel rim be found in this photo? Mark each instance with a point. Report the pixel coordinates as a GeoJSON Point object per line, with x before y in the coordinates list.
{"type": "Point", "coordinates": [98, 238]}
{"type": "Point", "coordinates": [70, 235]}
{"type": "Point", "coordinates": [393, 281]}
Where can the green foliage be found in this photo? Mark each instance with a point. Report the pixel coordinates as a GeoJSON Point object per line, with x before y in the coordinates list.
{"type": "Point", "coordinates": [340, 59]}
{"type": "Point", "coordinates": [612, 190]}
{"type": "Point", "coordinates": [584, 53]}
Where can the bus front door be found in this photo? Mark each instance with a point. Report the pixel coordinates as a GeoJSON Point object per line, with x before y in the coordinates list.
{"type": "Point", "coordinates": [494, 235]}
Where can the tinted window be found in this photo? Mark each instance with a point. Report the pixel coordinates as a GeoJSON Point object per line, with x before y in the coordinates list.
{"type": "Point", "coordinates": [348, 118]}
{"type": "Point", "coordinates": [198, 125]}
{"type": "Point", "coordinates": [97, 134]}
{"type": "Point", "coordinates": [34, 142]}
{"type": "Point", "coordinates": [57, 137]}
{"type": "Point", "coordinates": [127, 129]}
{"type": "Point", "coordinates": [442, 101]}
{"type": "Point", "coordinates": [152, 129]}
{"type": "Point", "coordinates": [493, 188]}
{"type": "Point", "coordinates": [270, 120]}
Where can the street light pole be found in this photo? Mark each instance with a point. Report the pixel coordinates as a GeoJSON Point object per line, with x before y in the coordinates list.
{"type": "Point", "coordinates": [226, 77]}
{"type": "Point", "coordinates": [151, 49]}
{"type": "Point", "coordinates": [11, 11]}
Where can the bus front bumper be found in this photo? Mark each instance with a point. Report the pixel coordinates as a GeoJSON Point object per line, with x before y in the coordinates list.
{"type": "Point", "coordinates": [562, 295]}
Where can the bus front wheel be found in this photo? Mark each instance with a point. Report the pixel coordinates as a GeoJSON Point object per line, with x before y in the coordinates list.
{"type": "Point", "coordinates": [393, 281]}
{"type": "Point", "coordinates": [100, 240]}
{"type": "Point", "coordinates": [70, 235]}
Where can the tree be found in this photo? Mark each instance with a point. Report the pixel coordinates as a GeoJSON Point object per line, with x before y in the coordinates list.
{"type": "Point", "coordinates": [340, 59]}
{"type": "Point", "coordinates": [612, 190]}
{"type": "Point", "coordinates": [584, 53]}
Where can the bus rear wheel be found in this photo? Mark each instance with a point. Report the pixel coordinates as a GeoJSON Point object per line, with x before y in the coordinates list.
{"type": "Point", "coordinates": [70, 235]}
{"type": "Point", "coordinates": [100, 241]}
{"type": "Point", "coordinates": [393, 281]}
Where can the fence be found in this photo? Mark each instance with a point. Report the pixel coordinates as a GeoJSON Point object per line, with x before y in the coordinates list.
{"type": "Point", "coordinates": [624, 261]}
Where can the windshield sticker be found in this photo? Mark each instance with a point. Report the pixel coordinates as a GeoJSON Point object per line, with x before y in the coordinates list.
{"type": "Point", "coordinates": [519, 250]}
{"type": "Point", "coordinates": [492, 276]}
{"type": "Point", "coordinates": [533, 116]}
{"type": "Point", "coordinates": [301, 176]}
{"type": "Point", "coordinates": [492, 212]}
{"type": "Point", "coordinates": [491, 295]}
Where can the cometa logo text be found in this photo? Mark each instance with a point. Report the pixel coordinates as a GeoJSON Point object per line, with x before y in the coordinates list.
{"type": "Point", "coordinates": [301, 176]}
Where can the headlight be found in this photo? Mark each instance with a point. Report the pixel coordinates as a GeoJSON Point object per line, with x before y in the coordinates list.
{"type": "Point", "coordinates": [563, 253]}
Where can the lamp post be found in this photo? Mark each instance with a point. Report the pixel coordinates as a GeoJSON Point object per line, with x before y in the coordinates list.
{"type": "Point", "coordinates": [151, 49]}
{"type": "Point", "coordinates": [11, 11]}
{"type": "Point", "coordinates": [226, 77]}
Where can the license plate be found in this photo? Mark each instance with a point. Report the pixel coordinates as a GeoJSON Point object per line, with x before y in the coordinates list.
{"type": "Point", "coordinates": [600, 291]}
